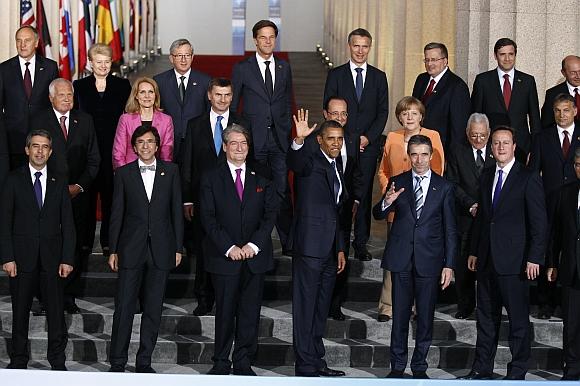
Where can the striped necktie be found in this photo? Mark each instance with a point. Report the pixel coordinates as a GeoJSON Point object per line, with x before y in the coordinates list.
{"type": "Point", "coordinates": [419, 200]}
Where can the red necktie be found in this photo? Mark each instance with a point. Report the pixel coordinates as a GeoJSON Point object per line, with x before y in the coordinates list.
{"type": "Point", "coordinates": [27, 81]}
{"type": "Point", "coordinates": [507, 91]}
{"type": "Point", "coordinates": [577, 97]}
{"type": "Point", "coordinates": [565, 145]}
{"type": "Point", "coordinates": [429, 91]}
{"type": "Point", "coordinates": [63, 127]}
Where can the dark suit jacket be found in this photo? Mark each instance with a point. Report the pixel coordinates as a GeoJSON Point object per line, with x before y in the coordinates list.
{"type": "Point", "coordinates": [367, 117]}
{"type": "Point", "coordinates": [228, 221]}
{"type": "Point", "coordinates": [29, 234]}
{"type": "Point", "coordinates": [18, 110]}
{"type": "Point", "coordinates": [105, 110]}
{"type": "Point", "coordinates": [316, 226]}
{"type": "Point", "coordinates": [448, 108]}
{"type": "Point", "coordinates": [462, 172]}
{"type": "Point", "coordinates": [487, 98]}
{"type": "Point", "coordinates": [135, 219]}
{"type": "Point", "coordinates": [261, 110]}
{"type": "Point", "coordinates": [194, 105]}
{"type": "Point", "coordinates": [515, 232]}
{"type": "Point", "coordinates": [548, 106]}
{"type": "Point", "coordinates": [78, 157]}
{"type": "Point", "coordinates": [4, 158]}
{"type": "Point", "coordinates": [564, 250]}
{"type": "Point", "coordinates": [429, 243]}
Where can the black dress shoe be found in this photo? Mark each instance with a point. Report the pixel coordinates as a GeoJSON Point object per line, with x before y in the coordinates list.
{"type": "Point", "coordinates": [328, 372]}
{"type": "Point", "coordinates": [383, 318]}
{"type": "Point", "coordinates": [512, 377]}
{"type": "Point", "coordinates": [337, 314]}
{"type": "Point", "coordinates": [309, 375]}
{"type": "Point", "coordinates": [420, 375]}
{"type": "Point", "coordinates": [72, 308]}
{"type": "Point", "coordinates": [247, 371]}
{"type": "Point", "coordinates": [145, 370]}
{"type": "Point", "coordinates": [396, 374]}
{"type": "Point", "coordinates": [117, 369]}
{"type": "Point", "coordinates": [475, 375]}
{"type": "Point", "coordinates": [545, 312]}
{"type": "Point", "coordinates": [570, 377]}
{"type": "Point", "coordinates": [39, 311]}
{"type": "Point", "coordinates": [17, 366]}
{"type": "Point", "coordinates": [202, 310]}
{"type": "Point", "coordinates": [59, 368]}
{"type": "Point", "coordinates": [461, 314]}
{"type": "Point", "coordinates": [217, 370]}
{"type": "Point", "coordinates": [363, 254]}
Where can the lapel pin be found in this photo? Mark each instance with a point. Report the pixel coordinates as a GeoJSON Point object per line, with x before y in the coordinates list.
{"type": "Point", "coordinates": [434, 188]}
{"type": "Point", "coordinates": [259, 189]}
{"type": "Point", "coordinates": [162, 173]}
{"type": "Point", "coordinates": [75, 121]}
{"type": "Point", "coordinates": [41, 68]}
{"type": "Point", "coordinates": [279, 66]}
{"type": "Point", "coordinates": [194, 83]}
{"type": "Point", "coordinates": [252, 173]}
{"type": "Point", "coordinates": [52, 179]}
{"type": "Point", "coordinates": [519, 80]}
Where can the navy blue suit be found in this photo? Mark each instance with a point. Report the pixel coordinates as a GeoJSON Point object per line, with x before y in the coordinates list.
{"type": "Point", "coordinates": [416, 252]}
{"type": "Point", "coordinates": [548, 106]}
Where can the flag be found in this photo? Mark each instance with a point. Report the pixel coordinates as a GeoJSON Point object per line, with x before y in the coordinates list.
{"type": "Point", "coordinates": [44, 42]}
{"type": "Point", "coordinates": [120, 22]}
{"type": "Point", "coordinates": [66, 60]}
{"type": "Point", "coordinates": [131, 24]}
{"type": "Point", "coordinates": [115, 18]}
{"type": "Point", "coordinates": [105, 32]}
{"type": "Point", "coordinates": [85, 37]}
{"type": "Point", "coordinates": [26, 13]}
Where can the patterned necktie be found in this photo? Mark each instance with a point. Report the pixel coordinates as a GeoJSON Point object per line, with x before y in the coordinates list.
{"type": "Point", "coordinates": [358, 83]}
{"type": "Point", "coordinates": [419, 200]}
{"type": "Point", "coordinates": [217, 134]}
{"type": "Point", "coordinates": [239, 186]}
{"type": "Point", "coordinates": [143, 169]}
{"type": "Point", "coordinates": [182, 88]}
{"type": "Point", "coordinates": [63, 127]}
{"type": "Point", "coordinates": [38, 189]}
{"type": "Point", "coordinates": [479, 160]}
{"type": "Point", "coordinates": [507, 91]}
{"type": "Point", "coordinates": [566, 144]}
{"type": "Point", "coordinates": [27, 81]}
{"type": "Point", "coordinates": [497, 190]}
{"type": "Point", "coordinates": [429, 91]}
{"type": "Point", "coordinates": [335, 182]}
{"type": "Point", "coordinates": [268, 79]}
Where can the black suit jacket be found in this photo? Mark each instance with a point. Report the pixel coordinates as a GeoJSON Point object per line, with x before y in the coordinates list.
{"type": "Point", "coordinates": [77, 158]}
{"type": "Point", "coordinates": [228, 221]}
{"type": "Point", "coordinates": [367, 117]}
{"type": "Point", "coordinates": [448, 108]}
{"type": "Point", "coordinates": [462, 172]}
{"type": "Point", "coordinates": [29, 234]}
{"type": "Point", "coordinates": [18, 110]}
{"type": "Point", "coordinates": [564, 250]}
{"type": "Point", "coordinates": [105, 110]}
{"type": "Point", "coordinates": [4, 158]}
{"type": "Point", "coordinates": [548, 119]}
{"type": "Point", "coordinates": [515, 231]}
{"type": "Point", "coordinates": [487, 98]}
{"type": "Point", "coordinates": [136, 221]}
{"type": "Point", "coordinates": [259, 109]}
{"type": "Point", "coordinates": [316, 226]}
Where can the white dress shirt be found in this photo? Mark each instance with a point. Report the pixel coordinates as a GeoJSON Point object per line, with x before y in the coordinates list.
{"type": "Point", "coordinates": [148, 178]}
{"type": "Point", "coordinates": [474, 150]}
{"type": "Point", "coordinates": [501, 73]}
{"type": "Point", "coordinates": [31, 67]}
{"type": "Point", "coordinates": [353, 72]}
{"type": "Point", "coordinates": [262, 67]}
{"type": "Point", "coordinates": [213, 120]}
{"type": "Point", "coordinates": [42, 179]}
{"type": "Point", "coordinates": [572, 88]}
{"type": "Point", "coordinates": [569, 130]}
{"type": "Point", "coordinates": [506, 171]}
{"type": "Point", "coordinates": [178, 78]}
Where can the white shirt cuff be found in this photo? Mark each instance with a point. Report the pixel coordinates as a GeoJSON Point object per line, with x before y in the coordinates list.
{"type": "Point", "coordinates": [296, 146]}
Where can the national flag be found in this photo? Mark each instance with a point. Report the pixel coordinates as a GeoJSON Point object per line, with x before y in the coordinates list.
{"type": "Point", "coordinates": [105, 32]}
{"type": "Point", "coordinates": [44, 41]}
{"type": "Point", "coordinates": [26, 13]}
{"type": "Point", "coordinates": [115, 18]}
{"type": "Point", "coordinates": [131, 24]}
{"type": "Point", "coordinates": [120, 23]}
{"type": "Point", "coordinates": [85, 37]}
{"type": "Point", "coordinates": [66, 60]}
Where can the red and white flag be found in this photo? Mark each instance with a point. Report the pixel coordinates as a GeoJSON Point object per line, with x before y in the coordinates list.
{"type": "Point", "coordinates": [26, 13]}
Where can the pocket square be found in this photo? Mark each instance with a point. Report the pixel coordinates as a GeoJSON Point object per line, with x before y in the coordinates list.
{"type": "Point", "coordinates": [259, 189]}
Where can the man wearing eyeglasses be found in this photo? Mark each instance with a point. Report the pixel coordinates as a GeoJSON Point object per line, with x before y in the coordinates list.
{"type": "Point", "coordinates": [445, 96]}
{"type": "Point", "coordinates": [571, 71]}
{"type": "Point", "coordinates": [183, 91]}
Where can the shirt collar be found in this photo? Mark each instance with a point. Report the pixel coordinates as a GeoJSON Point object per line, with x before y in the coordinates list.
{"type": "Point", "coordinates": [330, 160]}
{"type": "Point", "coordinates": [483, 149]}
{"type": "Point", "coordinates": [32, 62]}
{"type": "Point", "coordinates": [354, 66]}
{"type": "Point", "coordinates": [141, 163]}
{"type": "Point", "coordinates": [438, 77]}
{"type": "Point", "coordinates": [569, 129]}
{"type": "Point", "coordinates": [59, 114]}
{"type": "Point", "coordinates": [213, 115]}
{"type": "Point", "coordinates": [571, 88]}
{"type": "Point", "coordinates": [178, 75]}
{"type": "Point", "coordinates": [262, 60]}
{"type": "Point", "coordinates": [426, 175]}
{"type": "Point", "coordinates": [506, 169]}
{"type": "Point", "coordinates": [33, 170]}
{"type": "Point", "coordinates": [234, 167]}
{"type": "Point", "coordinates": [511, 73]}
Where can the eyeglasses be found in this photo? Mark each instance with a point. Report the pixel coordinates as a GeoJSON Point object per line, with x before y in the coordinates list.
{"type": "Point", "coordinates": [336, 114]}
{"type": "Point", "coordinates": [478, 136]}
{"type": "Point", "coordinates": [142, 142]}
{"type": "Point", "coordinates": [427, 60]}
{"type": "Point", "coordinates": [182, 56]}
{"type": "Point", "coordinates": [577, 164]}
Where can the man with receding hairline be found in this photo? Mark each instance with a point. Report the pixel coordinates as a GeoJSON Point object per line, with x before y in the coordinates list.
{"type": "Point", "coordinates": [571, 85]}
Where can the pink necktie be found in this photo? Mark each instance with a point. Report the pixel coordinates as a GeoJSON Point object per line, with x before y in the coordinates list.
{"type": "Point", "coordinates": [507, 91]}
{"type": "Point", "coordinates": [239, 186]}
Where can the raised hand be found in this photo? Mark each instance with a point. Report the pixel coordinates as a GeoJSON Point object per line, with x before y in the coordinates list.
{"type": "Point", "coordinates": [301, 123]}
{"type": "Point", "coordinates": [391, 195]}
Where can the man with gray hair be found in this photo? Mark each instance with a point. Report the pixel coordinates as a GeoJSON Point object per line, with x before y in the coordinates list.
{"type": "Point", "coordinates": [465, 162]}
{"type": "Point", "coordinates": [183, 91]}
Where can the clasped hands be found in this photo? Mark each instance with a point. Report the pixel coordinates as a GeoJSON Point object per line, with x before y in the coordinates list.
{"type": "Point", "coordinates": [243, 253]}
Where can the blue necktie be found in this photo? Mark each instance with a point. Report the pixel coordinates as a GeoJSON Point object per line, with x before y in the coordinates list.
{"type": "Point", "coordinates": [359, 83]}
{"type": "Point", "coordinates": [38, 189]}
{"type": "Point", "coordinates": [497, 190]}
{"type": "Point", "coordinates": [217, 135]}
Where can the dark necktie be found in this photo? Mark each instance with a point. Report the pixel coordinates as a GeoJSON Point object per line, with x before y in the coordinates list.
{"type": "Point", "coordinates": [429, 91]}
{"type": "Point", "coordinates": [182, 88]}
{"type": "Point", "coordinates": [497, 190]}
{"type": "Point", "coordinates": [566, 144]}
{"type": "Point", "coordinates": [335, 182]}
{"type": "Point", "coordinates": [27, 81]}
{"type": "Point", "coordinates": [38, 189]}
{"type": "Point", "coordinates": [143, 169]}
{"type": "Point", "coordinates": [419, 200]}
{"type": "Point", "coordinates": [63, 127]}
{"type": "Point", "coordinates": [217, 134]}
{"type": "Point", "coordinates": [479, 162]}
{"type": "Point", "coordinates": [577, 98]}
{"type": "Point", "coordinates": [239, 186]}
{"type": "Point", "coordinates": [507, 91]}
{"type": "Point", "coordinates": [358, 84]}
{"type": "Point", "coordinates": [268, 79]}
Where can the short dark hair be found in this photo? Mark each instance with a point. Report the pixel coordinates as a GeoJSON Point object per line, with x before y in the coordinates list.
{"type": "Point", "coordinates": [218, 82]}
{"type": "Point", "coordinates": [564, 97]}
{"type": "Point", "coordinates": [39, 133]}
{"type": "Point", "coordinates": [326, 125]}
{"type": "Point", "coordinates": [360, 32]}
{"type": "Point", "coordinates": [235, 128]}
{"type": "Point", "coordinates": [419, 139]}
{"type": "Point", "coordinates": [262, 24]}
{"type": "Point", "coordinates": [504, 42]}
{"type": "Point", "coordinates": [504, 128]}
{"type": "Point", "coordinates": [435, 45]}
{"type": "Point", "coordinates": [142, 130]}
{"type": "Point", "coordinates": [34, 30]}
{"type": "Point", "coordinates": [334, 98]}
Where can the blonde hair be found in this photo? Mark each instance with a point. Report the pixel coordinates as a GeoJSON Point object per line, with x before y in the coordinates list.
{"type": "Point", "coordinates": [100, 49]}
{"type": "Point", "coordinates": [407, 103]}
{"type": "Point", "coordinates": [132, 105]}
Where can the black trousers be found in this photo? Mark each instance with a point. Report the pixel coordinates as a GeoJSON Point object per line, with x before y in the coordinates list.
{"type": "Point", "coordinates": [571, 338]}
{"type": "Point", "coordinates": [340, 292]}
{"type": "Point", "coordinates": [202, 286]}
{"type": "Point", "coordinates": [74, 286]}
{"type": "Point", "coordinates": [464, 278]}
{"type": "Point", "coordinates": [362, 224]}
{"type": "Point", "coordinates": [312, 284]}
{"type": "Point", "coordinates": [153, 282]}
{"type": "Point", "coordinates": [237, 317]}
{"type": "Point", "coordinates": [102, 187]}
{"type": "Point", "coordinates": [22, 289]}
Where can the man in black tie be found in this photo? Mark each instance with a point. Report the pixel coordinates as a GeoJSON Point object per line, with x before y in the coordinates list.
{"type": "Point", "coordinates": [146, 236]}
{"type": "Point", "coordinates": [571, 71]}
{"type": "Point", "coordinates": [37, 239]}
{"type": "Point", "coordinates": [465, 163]}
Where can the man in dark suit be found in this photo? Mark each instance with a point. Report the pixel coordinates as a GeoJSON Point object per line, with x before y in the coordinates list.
{"type": "Point", "coordinates": [420, 251]}
{"type": "Point", "coordinates": [263, 83]}
{"type": "Point", "coordinates": [553, 157]}
{"type": "Point", "coordinates": [183, 91]}
{"type": "Point", "coordinates": [465, 163]}
{"type": "Point", "coordinates": [365, 90]}
{"type": "Point", "coordinates": [445, 96]}
{"type": "Point", "coordinates": [146, 236]}
{"type": "Point", "coordinates": [316, 241]}
{"type": "Point", "coordinates": [509, 97]}
{"type": "Point", "coordinates": [24, 81]}
{"type": "Point", "coordinates": [237, 210]}
{"type": "Point", "coordinates": [563, 260]}
{"type": "Point", "coordinates": [4, 155]}
{"type": "Point", "coordinates": [75, 156]}
{"type": "Point", "coordinates": [37, 238]}
{"type": "Point", "coordinates": [507, 249]}
{"type": "Point", "coordinates": [571, 71]}
{"type": "Point", "coordinates": [202, 152]}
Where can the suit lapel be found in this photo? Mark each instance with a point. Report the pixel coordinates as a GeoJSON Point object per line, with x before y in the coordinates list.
{"type": "Point", "coordinates": [50, 191]}
{"type": "Point", "coordinates": [250, 185]}
{"type": "Point", "coordinates": [207, 133]}
{"type": "Point", "coordinates": [29, 191]}
{"type": "Point", "coordinates": [229, 184]}
{"type": "Point", "coordinates": [171, 78]}
{"type": "Point", "coordinates": [279, 81]}
{"type": "Point", "coordinates": [432, 195]}
{"type": "Point", "coordinates": [73, 127]}
{"type": "Point", "coordinates": [554, 141]}
{"type": "Point", "coordinates": [136, 175]}
{"type": "Point", "coordinates": [160, 179]}
{"type": "Point", "coordinates": [347, 79]}
{"type": "Point", "coordinates": [17, 74]}
{"type": "Point", "coordinates": [255, 69]}
{"type": "Point", "coordinates": [494, 82]}
{"type": "Point", "coordinates": [516, 87]}
{"type": "Point", "coordinates": [38, 75]}
{"type": "Point", "coordinates": [509, 183]}
{"type": "Point", "coordinates": [574, 141]}
{"type": "Point", "coordinates": [409, 186]}
{"type": "Point", "coordinates": [369, 79]}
